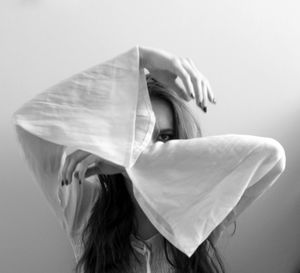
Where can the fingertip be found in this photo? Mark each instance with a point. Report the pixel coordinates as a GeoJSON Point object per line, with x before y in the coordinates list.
{"type": "Point", "coordinates": [203, 108]}
{"type": "Point", "coordinates": [81, 178]}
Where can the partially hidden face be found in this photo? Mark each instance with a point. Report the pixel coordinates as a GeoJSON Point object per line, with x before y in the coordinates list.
{"type": "Point", "coordinates": [164, 129]}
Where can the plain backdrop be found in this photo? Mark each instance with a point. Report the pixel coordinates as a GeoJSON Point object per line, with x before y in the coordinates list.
{"type": "Point", "coordinates": [249, 51]}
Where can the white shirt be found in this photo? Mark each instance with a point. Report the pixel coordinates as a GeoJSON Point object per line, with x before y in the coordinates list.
{"type": "Point", "coordinates": [185, 187]}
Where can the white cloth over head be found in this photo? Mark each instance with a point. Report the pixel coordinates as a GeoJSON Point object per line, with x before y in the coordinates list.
{"type": "Point", "coordinates": [186, 187]}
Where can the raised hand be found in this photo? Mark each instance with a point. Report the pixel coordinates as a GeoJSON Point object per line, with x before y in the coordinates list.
{"type": "Point", "coordinates": [81, 164]}
{"type": "Point", "coordinates": [167, 68]}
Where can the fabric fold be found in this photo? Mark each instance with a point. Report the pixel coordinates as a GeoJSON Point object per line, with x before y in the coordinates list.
{"type": "Point", "coordinates": [104, 110]}
{"type": "Point", "coordinates": [185, 187]}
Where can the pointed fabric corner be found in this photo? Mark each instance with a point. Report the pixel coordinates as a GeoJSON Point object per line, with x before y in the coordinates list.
{"type": "Point", "coordinates": [104, 110]}
{"type": "Point", "coordinates": [187, 187]}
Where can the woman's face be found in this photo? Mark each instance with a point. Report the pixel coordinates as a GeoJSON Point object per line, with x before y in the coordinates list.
{"type": "Point", "coordinates": [163, 130]}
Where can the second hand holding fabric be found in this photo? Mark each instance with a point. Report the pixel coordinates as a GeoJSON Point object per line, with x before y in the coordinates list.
{"type": "Point", "coordinates": [185, 187]}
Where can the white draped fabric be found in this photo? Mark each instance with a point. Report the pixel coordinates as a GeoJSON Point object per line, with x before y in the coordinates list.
{"type": "Point", "coordinates": [186, 187]}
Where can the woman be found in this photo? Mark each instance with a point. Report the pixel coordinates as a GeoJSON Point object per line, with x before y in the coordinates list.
{"type": "Point", "coordinates": [174, 120]}
{"type": "Point", "coordinates": [108, 229]}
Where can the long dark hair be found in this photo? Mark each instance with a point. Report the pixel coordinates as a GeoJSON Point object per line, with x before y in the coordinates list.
{"type": "Point", "coordinates": [106, 237]}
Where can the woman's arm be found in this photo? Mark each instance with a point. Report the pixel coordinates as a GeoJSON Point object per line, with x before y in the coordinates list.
{"type": "Point", "coordinates": [255, 191]}
{"type": "Point", "coordinates": [251, 194]}
{"type": "Point", "coordinates": [91, 111]}
{"type": "Point", "coordinates": [194, 184]}
{"type": "Point", "coordinates": [167, 68]}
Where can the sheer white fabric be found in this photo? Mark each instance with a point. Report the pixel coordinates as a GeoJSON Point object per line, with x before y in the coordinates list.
{"type": "Point", "coordinates": [104, 110]}
{"type": "Point", "coordinates": [185, 187]}
{"type": "Point", "coordinates": [72, 204]}
{"type": "Point", "coordinates": [192, 185]}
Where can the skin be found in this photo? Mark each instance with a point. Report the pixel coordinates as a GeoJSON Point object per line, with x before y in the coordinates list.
{"type": "Point", "coordinates": [164, 119]}
{"type": "Point", "coordinates": [167, 69]}
{"type": "Point", "coordinates": [164, 123]}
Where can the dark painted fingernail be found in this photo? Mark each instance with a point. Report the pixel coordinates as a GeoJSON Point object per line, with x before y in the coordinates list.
{"type": "Point", "coordinates": [192, 96]}
{"type": "Point", "coordinates": [205, 109]}
{"type": "Point", "coordinates": [79, 182]}
{"type": "Point", "coordinates": [62, 182]}
{"type": "Point", "coordinates": [67, 182]}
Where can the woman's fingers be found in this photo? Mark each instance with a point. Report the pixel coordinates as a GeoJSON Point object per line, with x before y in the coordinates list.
{"type": "Point", "coordinates": [197, 82]}
{"type": "Point", "coordinates": [210, 93]}
{"type": "Point", "coordinates": [185, 77]}
{"type": "Point", "coordinates": [177, 87]}
{"type": "Point", "coordinates": [82, 166]}
{"type": "Point", "coordinates": [170, 80]}
{"type": "Point", "coordinates": [195, 85]}
{"type": "Point", "coordinates": [204, 102]}
{"type": "Point", "coordinates": [207, 93]}
{"type": "Point", "coordinates": [70, 164]}
{"type": "Point", "coordinates": [90, 171]}
{"type": "Point", "coordinates": [201, 95]}
{"type": "Point", "coordinates": [93, 164]}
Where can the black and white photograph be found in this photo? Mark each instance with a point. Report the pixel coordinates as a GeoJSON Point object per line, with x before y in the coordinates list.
{"type": "Point", "coordinates": [150, 136]}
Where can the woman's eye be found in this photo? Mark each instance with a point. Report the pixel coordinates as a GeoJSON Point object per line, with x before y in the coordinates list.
{"type": "Point", "coordinates": [164, 138]}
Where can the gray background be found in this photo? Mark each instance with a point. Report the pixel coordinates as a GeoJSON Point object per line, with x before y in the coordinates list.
{"type": "Point", "coordinates": [249, 50]}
